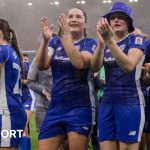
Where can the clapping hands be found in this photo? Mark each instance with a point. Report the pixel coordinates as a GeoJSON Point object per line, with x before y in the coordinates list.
{"type": "Point", "coordinates": [104, 31]}
{"type": "Point", "coordinates": [63, 27]}
{"type": "Point", "coordinates": [47, 29]}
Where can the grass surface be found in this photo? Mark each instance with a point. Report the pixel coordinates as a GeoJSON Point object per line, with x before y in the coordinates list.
{"type": "Point", "coordinates": [33, 134]}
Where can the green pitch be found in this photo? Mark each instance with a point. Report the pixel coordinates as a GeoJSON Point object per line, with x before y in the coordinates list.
{"type": "Point", "coordinates": [33, 134]}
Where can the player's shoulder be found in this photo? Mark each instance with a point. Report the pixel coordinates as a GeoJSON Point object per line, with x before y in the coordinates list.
{"type": "Point", "coordinates": [7, 50]}
{"type": "Point", "coordinates": [55, 41]}
{"type": "Point", "coordinates": [147, 43]}
{"type": "Point", "coordinates": [4, 47]}
{"type": "Point", "coordinates": [136, 37]}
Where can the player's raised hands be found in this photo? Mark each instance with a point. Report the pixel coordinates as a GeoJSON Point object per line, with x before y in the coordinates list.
{"type": "Point", "coordinates": [101, 40]}
{"type": "Point", "coordinates": [104, 30]}
{"type": "Point", "coordinates": [63, 27]}
{"type": "Point", "coordinates": [47, 29]}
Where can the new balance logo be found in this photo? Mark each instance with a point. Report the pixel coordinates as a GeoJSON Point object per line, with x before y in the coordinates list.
{"type": "Point", "coordinates": [59, 48]}
{"type": "Point", "coordinates": [86, 128]}
{"type": "Point", "coordinates": [132, 133]}
{"type": "Point", "coordinates": [27, 105]}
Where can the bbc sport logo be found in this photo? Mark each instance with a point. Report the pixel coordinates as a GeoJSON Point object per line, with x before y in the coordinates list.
{"type": "Point", "coordinates": [11, 133]}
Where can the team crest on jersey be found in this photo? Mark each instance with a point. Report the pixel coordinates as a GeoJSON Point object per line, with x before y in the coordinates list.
{"type": "Point", "coordinates": [77, 46]}
{"type": "Point", "coordinates": [138, 40]}
{"type": "Point", "coordinates": [50, 51]}
{"type": "Point", "coordinates": [122, 47]}
{"type": "Point", "coordinates": [15, 55]}
{"type": "Point", "coordinates": [94, 48]}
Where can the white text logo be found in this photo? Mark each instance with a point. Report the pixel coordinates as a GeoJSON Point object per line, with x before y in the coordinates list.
{"type": "Point", "coordinates": [11, 133]}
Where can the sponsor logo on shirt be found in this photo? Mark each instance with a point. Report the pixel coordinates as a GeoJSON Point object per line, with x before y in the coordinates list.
{"type": "Point", "coordinates": [16, 66]}
{"type": "Point", "coordinates": [61, 58]}
{"type": "Point", "coordinates": [138, 40]}
{"type": "Point", "coordinates": [109, 59]}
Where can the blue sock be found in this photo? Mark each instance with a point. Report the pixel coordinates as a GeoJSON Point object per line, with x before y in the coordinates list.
{"type": "Point", "coordinates": [25, 143]}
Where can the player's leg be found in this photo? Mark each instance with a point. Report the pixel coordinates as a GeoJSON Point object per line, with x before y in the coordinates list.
{"type": "Point", "coordinates": [107, 128]}
{"type": "Point", "coordinates": [77, 141]}
{"type": "Point", "coordinates": [79, 123]}
{"type": "Point", "coordinates": [29, 106]}
{"type": "Point", "coordinates": [129, 127]}
{"type": "Point", "coordinates": [129, 146]}
{"type": "Point", "coordinates": [143, 142]}
{"type": "Point", "coordinates": [25, 141]}
{"type": "Point", "coordinates": [52, 143]}
{"type": "Point", "coordinates": [53, 130]}
{"type": "Point", "coordinates": [109, 145]}
{"type": "Point", "coordinates": [148, 141]}
{"type": "Point", "coordinates": [29, 115]}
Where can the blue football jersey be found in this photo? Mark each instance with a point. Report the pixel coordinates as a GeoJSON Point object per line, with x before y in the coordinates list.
{"type": "Point", "coordinates": [123, 87]}
{"type": "Point", "coordinates": [28, 96]}
{"type": "Point", "coordinates": [71, 86]}
{"type": "Point", "coordinates": [26, 66]}
{"type": "Point", "coordinates": [147, 60]}
{"type": "Point", "coordinates": [10, 83]}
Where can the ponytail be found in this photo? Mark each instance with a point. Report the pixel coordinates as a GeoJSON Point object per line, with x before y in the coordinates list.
{"type": "Point", "coordinates": [14, 44]}
{"type": "Point", "coordinates": [10, 37]}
